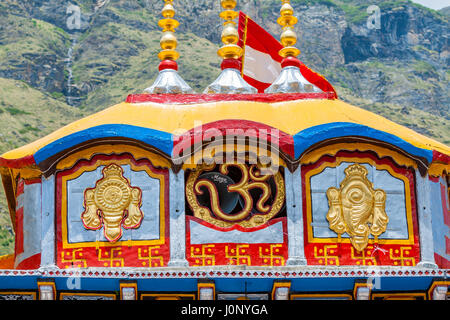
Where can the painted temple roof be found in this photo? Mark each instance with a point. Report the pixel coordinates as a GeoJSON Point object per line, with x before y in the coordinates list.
{"type": "Point", "coordinates": [302, 120]}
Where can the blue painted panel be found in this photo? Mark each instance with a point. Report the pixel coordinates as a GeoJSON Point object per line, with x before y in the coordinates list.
{"type": "Point", "coordinates": [243, 285]}
{"type": "Point", "coordinates": [404, 284]}
{"type": "Point", "coordinates": [158, 139]}
{"type": "Point", "coordinates": [18, 283]}
{"type": "Point", "coordinates": [322, 285]}
{"type": "Point", "coordinates": [381, 179]}
{"type": "Point", "coordinates": [308, 137]}
{"type": "Point", "coordinates": [168, 285]}
{"type": "Point", "coordinates": [224, 285]}
{"type": "Point", "coordinates": [150, 225]}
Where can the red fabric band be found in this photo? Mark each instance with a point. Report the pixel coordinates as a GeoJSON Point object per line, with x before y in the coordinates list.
{"type": "Point", "coordinates": [231, 64]}
{"type": "Point", "coordinates": [290, 62]}
{"type": "Point", "coordinates": [168, 64]}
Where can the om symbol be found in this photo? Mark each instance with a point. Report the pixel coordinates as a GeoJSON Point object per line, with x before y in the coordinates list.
{"type": "Point", "coordinates": [253, 213]}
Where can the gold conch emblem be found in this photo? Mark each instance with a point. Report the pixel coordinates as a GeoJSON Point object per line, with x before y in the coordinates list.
{"type": "Point", "coordinates": [357, 208]}
{"type": "Point", "coordinates": [112, 203]}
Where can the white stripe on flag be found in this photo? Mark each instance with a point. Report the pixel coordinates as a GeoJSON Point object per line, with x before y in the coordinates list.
{"type": "Point", "coordinates": [260, 66]}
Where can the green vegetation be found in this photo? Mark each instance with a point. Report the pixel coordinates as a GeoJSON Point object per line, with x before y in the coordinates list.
{"type": "Point", "coordinates": [25, 108]}
{"type": "Point", "coordinates": [6, 241]}
{"type": "Point", "coordinates": [421, 121]}
{"type": "Point", "coordinates": [353, 13]}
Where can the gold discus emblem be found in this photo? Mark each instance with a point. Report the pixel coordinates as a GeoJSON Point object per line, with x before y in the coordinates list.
{"type": "Point", "coordinates": [356, 208]}
{"type": "Point", "coordinates": [112, 203]}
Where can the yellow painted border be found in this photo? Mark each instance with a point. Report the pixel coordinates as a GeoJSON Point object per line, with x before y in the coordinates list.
{"type": "Point", "coordinates": [129, 285]}
{"type": "Point", "coordinates": [116, 149]}
{"type": "Point", "coordinates": [206, 285]}
{"type": "Point", "coordinates": [280, 284]}
{"type": "Point", "coordinates": [164, 295]}
{"type": "Point", "coordinates": [333, 149]}
{"type": "Point", "coordinates": [320, 295]}
{"type": "Point", "coordinates": [438, 169]}
{"type": "Point", "coordinates": [338, 161]}
{"type": "Point", "coordinates": [242, 152]}
{"type": "Point", "coordinates": [288, 116]}
{"type": "Point", "coordinates": [435, 284]}
{"type": "Point", "coordinates": [362, 284]}
{"type": "Point", "coordinates": [47, 283]}
{"type": "Point", "coordinates": [27, 173]}
{"type": "Point", "coordinates": [65, 294]}
{"type": "Point", "coordinates": [7, 261]}
{"type": "Point", "coordinates": [93, 167]}
{"type": "Point", "coordinates": [399, 295]}
{"type": "Point", "coordinates": [27, 293]}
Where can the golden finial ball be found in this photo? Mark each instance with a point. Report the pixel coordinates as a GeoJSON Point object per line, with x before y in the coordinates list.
{"type": "Point", "coordinates": [286, 10]}
{"type": "Point", "coordinates": [230, 34]}
{"type": "Point", "coordinates": [288, 37]}
{"type": "Point", "coordinates": [168, 11]}
{"type": "Point", "coordinates": [168, 41]}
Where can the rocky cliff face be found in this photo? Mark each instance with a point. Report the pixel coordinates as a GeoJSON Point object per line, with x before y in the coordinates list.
{"type": "Point", "coordinates": [394, 53]}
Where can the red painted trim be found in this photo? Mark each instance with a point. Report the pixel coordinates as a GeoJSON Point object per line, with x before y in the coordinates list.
{"type": "Point", "coordinates": [33, 262]}
{"type": "Point", "coordinates": [441, 262]}
{"type": "Point", "coordinates": [445, 205]}
{"type": "Point", "coordinates": [434, 179]}
{"type": "Point", "coordinates": [205, 98]}
{"type": "Point", "coordinates": [17, 163]}
{"type": "Point", "coordinates": [19, 231]}
{"type": "Point", "coordinates": [20, 187]}
{"type": "Point", "coordinates": [441, 157]}
{"type": "Point", "coordinates": [206, 132]}
{"type": "Point", "coordinates": [217, 251]}
{"type": "Point", "coordinates": [32, 181]}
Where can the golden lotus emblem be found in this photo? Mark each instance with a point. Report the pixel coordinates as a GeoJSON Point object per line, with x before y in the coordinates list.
{"type": "Point", "coordinates": [356, 208]}
{"type": "Point", "coordinates": [113, 203]}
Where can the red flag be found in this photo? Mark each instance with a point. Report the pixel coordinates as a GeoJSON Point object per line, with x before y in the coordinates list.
{"type": "Point", "coordinates": [261, 63]}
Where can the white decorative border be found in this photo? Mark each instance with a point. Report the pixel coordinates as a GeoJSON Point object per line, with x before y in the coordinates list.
{"type": "Point", "coordinates": [235, 272]}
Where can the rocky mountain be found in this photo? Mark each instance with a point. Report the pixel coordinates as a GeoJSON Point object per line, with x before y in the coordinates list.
{"type": "Point", "coordinates": [61, 60]}
{"type": "Point", "coordinates": [445, 11]}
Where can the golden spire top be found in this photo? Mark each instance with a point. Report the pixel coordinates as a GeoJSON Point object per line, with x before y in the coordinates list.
{"type": "Point", "coordinates": [290, 80]}
{"type": "Point", "coordinates": [230, 80]}
{"type": "Point", "coordinates": [168, 40]}
{"type": "Point", "coordinates": [168, 79]}
{"type": "Point", "coordinates": [230, 35]}
{"type": "Point", "coordinates": [288, 37]}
